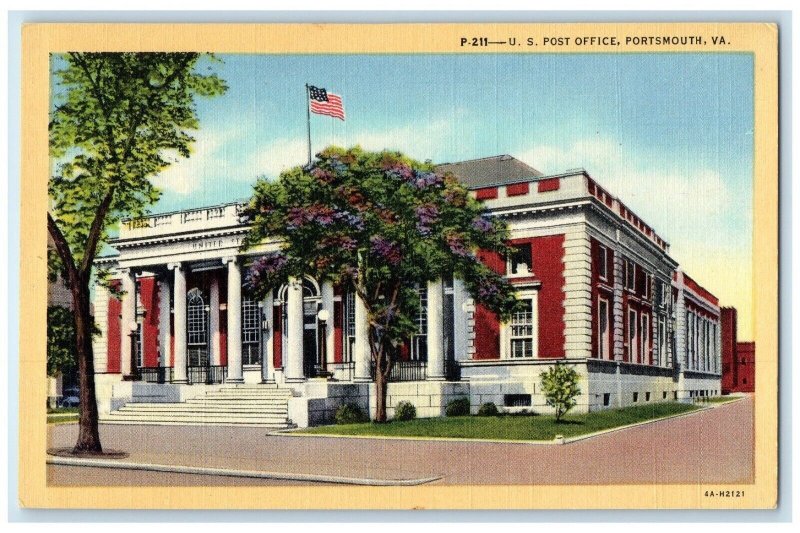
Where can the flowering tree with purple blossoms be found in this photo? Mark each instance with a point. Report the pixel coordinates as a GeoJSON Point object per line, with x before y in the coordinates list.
{"type": "Point", "coordinates": [379, 224]}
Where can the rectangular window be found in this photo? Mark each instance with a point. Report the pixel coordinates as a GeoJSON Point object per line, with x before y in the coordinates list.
{"type": "Point", "coordinates": [635, 397]}
{"type": "Point", "coordinates": [603, 336]}
{"type": "Point", "coordinates": [520, 261]}
{"type": "Point", "coordinates": [522, 325]}
{"type": "Point", "coordinates": [648, 285]}
{"type": "Point", "coordinates": [696, 340]}
{"type": "Point", "coordinates": [606, 399]}
{"type": "Point", "coordinates": [251, 332]}
{"type": "Point", "coordinates": [633, 344]}
{"type": "Point", "coordinates": [139, 355]}
{"type": "Point", "coordinates": [517, 400]}
{"type": "Point", "coordinates": [644, 335]}
{"type": "Point", "coordinates": [662, 342]}
{"type": "Point", "coordinates": [630, 275]}
{"type": "Point", "coordinates": [602, 265]}
{"type": "Point", "coordinates": [689, 342]}
{"type": "Point", "coordinates": [349, 326]}
{"type": "Point", "coordinates": [419, 340]}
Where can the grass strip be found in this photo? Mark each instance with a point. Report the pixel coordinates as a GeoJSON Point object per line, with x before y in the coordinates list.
{"type": "Point", "coordinates": [510, 427]}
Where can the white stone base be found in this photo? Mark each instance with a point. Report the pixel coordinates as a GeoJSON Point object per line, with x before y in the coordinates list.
{"type": "Point", "coordinates": [603, 385]}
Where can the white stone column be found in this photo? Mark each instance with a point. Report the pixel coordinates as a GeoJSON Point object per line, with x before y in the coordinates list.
{"type": "Point", "coordinates": [128, 312]}
{"type": "Point", "coordinates": [293, 366]}
{"type": "Point", "coordinates": [460, 298]}
{"type": "Point", "coordinates": [267, 332]}
{"type": "Point", "coordinates": [179, 371]}
{"type": "Point", "coordinates": [435, 370]}
{"type": "Point", "coordinates": [213, 322]}
{"type": "Point", "coordinates": [234, 321]}
{"type": "Point", "coordinates": [164, 298]}
{"type": "Point", "coordinates": [330, 330]}
{"type": "Point", "coordinates": [577, 294]}
{"type": "Point", "coordinates": [362, 357]}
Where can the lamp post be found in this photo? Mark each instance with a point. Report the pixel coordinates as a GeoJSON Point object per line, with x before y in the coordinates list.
{"type": "Point", "coordinates": [323, 316]}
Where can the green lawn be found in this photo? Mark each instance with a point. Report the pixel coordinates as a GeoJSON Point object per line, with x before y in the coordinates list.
{"type": "Point", "coordinates": [516, 427]}
{"type": "Point", "coordinates": [62, 415]}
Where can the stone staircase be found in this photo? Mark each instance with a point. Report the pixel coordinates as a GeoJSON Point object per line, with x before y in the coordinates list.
{"type": "Point", "coordinates": [229, 405]}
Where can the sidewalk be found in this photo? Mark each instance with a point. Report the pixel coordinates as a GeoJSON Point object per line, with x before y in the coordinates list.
{"type": "Point", "coordinates": [711, 446]}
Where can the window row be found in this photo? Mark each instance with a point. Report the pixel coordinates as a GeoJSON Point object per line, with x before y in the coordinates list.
{"type": "Point", "coordinates": [638, 330]}
{"type": "Point", "coordinates": [702, 352]}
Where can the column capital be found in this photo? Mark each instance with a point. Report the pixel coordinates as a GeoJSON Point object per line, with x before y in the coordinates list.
{"type": "Point", "coordinates": [230, 259]}
{"type": "Point", "coordinates": [175, 266]}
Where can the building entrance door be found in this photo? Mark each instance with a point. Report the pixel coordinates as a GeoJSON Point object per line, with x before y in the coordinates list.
{"type": "Point", "coordinates": [311, 303]}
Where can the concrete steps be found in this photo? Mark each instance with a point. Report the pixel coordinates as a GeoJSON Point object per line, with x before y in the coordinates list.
{"type": "Point", "coordinates": [228, 405]}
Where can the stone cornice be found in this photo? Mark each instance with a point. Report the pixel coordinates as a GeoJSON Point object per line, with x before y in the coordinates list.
{"type": "Point", "coordinates": [534, 209]}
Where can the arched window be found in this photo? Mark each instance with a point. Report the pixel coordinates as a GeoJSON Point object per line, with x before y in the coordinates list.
{"type": "Point", "coordinates": [196, 329]}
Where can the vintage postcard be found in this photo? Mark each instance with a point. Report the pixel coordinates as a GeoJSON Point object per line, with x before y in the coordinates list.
{"type": "Point", "coordinates": [396, 266]}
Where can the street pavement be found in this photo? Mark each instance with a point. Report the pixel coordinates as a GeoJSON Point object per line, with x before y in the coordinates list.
{"type": "Point", "coordinates": [712, 446]}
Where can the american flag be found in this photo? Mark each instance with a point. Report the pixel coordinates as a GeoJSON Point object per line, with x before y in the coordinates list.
{"type": "Point", "coordinates": [325, 103]}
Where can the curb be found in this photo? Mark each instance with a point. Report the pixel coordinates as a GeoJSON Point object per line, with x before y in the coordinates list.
{"type": "Point", "coordinates": [569, 440]}
{"type": "Point", "coordinates": [227, 472]}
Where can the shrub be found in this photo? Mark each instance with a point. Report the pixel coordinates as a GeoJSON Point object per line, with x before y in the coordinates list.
{"type": "Point", "coordinates": [560, 387]}
{"type": "Point", "coordinates": [405, 411]}
{"type": "Point", "coordinates": [457, 407]}
{"type": "Point", "coordinates": [350, 414]}
{"type": "Point", "coordinates": [488, 409]}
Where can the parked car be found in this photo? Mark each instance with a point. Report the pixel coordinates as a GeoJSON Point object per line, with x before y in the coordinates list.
{"type": "Point", "coordinates": [71, 398]}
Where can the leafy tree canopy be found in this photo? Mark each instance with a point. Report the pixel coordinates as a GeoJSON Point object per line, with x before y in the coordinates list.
{"type": "Point", "coordinates": [60, 341]}
{"type": "Point", "coordinates": [379, 223]}
{"type": "Point", "coordinates": [560, 388]}
{"type": "Point", "coordinates": [117, 120]}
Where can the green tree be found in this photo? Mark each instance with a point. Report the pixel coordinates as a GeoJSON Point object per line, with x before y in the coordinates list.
{"type": "Point", "coordinates": [560, 388]}
{"type": "Point", "coordinates": [379, 224]}
{"type": "Point", "coordinates": [116, 120]}
{"type": "Point", "coordinates": [60, 341]}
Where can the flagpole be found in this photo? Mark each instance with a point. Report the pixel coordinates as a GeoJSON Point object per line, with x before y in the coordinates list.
{"type": "Point", "coordinates": [308, 117]}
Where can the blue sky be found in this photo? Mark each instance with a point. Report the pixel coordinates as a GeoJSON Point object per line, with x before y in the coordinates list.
{"type": "Point", "coordinates": [670, 134]}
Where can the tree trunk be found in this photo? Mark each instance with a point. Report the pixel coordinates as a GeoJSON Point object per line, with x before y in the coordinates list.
{"type": "Point", "coordinates": [380, 397]}
{"type": "Point", "coordinates": [88, 434]}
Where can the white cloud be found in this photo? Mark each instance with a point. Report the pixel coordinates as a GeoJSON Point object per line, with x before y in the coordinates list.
{"type": "Point", "coordinates": [186, 176]}
{"type": "Point", "coordinates": [235, 154]}
{"type": "Point", "coordinates": [276, 157]}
